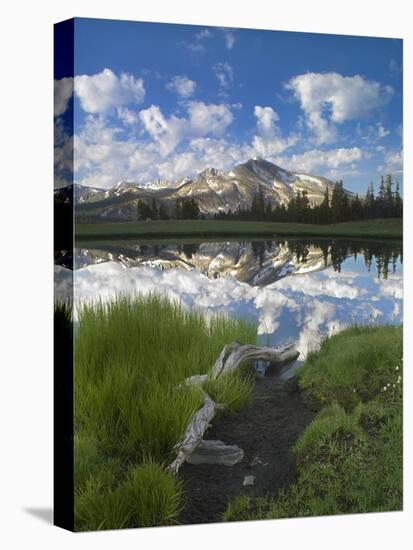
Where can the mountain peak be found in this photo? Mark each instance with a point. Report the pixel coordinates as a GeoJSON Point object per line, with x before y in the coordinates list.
{"type": "Point", "coordinates": [214, 190]}
{"type": "Point", "coordinates": [209, 172]}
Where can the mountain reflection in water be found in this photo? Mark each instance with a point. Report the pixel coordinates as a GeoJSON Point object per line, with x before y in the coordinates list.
{"type": "Point", "coordinates": [295, 290]}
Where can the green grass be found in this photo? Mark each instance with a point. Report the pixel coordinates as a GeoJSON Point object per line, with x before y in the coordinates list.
{"type": "Point", "coordinates": [146, 497]}
{"type": "Point", "coordinates": [368, 229]}
{"type": "Point", "coordinates": [233, 389]}
{"type": "Point", "coordinates": [131, 356]}
{"type": "Point", "coordinates": [354, 365]}
{"type": "Point", "coordinates": [349, 459]}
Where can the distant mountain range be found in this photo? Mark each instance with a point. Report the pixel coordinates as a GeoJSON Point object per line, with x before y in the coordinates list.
{"type": "Point", "coordinates": [214, 191]}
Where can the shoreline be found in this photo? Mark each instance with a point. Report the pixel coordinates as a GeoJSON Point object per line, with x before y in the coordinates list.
{"type": "Point", "coordinates": [378, 229]}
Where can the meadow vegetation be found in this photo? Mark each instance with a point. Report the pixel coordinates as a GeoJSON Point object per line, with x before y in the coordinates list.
{"type": "Point", "coordinates": [390, 228]}
{"type": "Point", "coordinates": [131, 357]}
{"type": "Point", "coordinates": [349, 459]}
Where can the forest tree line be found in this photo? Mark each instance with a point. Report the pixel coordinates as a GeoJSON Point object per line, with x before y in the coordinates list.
{"type": "Point", "coordinates": [337, 206]}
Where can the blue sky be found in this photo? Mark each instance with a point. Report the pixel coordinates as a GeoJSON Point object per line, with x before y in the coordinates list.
{"type": "Point", "coordinates": [161, 101]}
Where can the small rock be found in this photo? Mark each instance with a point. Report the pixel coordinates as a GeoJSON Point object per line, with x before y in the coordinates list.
{"type": "Point", "coordinates": [212, 451]}
{"type": "Point", "coordinates": [256, 461]}
{"type": "Point", "coordinates": [248, 481]}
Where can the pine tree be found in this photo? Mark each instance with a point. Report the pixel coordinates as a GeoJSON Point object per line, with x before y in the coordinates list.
{"type": "Point", "coordinates": [268, 211]}
{"type": "Point", "coordinates": [163, 212]}
{"type": "Point", "coordinates": [154, 210]}
{"type": "Point", "coordinates": [370, 202]}
{"type": "Point", "coordinates": [338, 203]}
{"type": "Point", "coordinates": [325, 207]}
{"type": "Point", "coordinates": [178, 209]}
{"type": "Point", "coordinates": [398, 202]}
{"type": "Point", "coordinates": [356, 209]}
{"type": "Point", "coordinates": [388, 197]}
{"type": "Point", "coordinates": [144, 211]}
{"type": "Point", "coordinates": [380, 199]}
{"type": "Point", "coordinates": [260, 204]}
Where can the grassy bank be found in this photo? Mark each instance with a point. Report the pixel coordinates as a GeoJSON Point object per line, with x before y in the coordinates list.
{"type": "Point", "coordinates": [349, 459]}
{"type": "Point", "coordinates": [131, 356]}
{"type": "Point", "coordinates": [368, 229]}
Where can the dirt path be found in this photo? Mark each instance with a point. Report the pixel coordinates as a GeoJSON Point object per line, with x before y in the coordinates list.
{"type": "Point", "coordinates": [266, 432]}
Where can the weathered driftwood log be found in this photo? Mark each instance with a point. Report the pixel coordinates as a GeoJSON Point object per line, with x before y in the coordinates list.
{"type": "Point", "coordinates": [213, 451]}
{"type": "Point", "coordinates": [235, 355]}
{"type": "Point", "coordinates": [195, 432]}
{"type": "Point", "coordinates": [231, 358]}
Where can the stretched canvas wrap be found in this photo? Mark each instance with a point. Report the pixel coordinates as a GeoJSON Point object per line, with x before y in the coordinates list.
{"type": "Point", "coordinates": [228, 274]}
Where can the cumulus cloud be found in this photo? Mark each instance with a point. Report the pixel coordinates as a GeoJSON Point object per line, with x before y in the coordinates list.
{"type": "Point", "coordinates": [209, 118]}
{"type": "Point", "coordinates": [63, 90]}
{"type": "Point", "coordinates": [203, 119]}
{"type": "Point", "coordinates": [331, 98]}
{"type": "Point", "coordinates": [98, 93]}
{"type": "Point", "coordinates": [103, 91]}
{"type": "Point", "coordinates": [269, 140]}
{"type": "Point", "coordinates": [182, 86]}
{"type": "Point", "coordinates": [316, 159]}
{"type": "Point", "coordinates": [103, 156]}
{"type": "Point", "coordinates": [127, 116]}
{"type": "Point", "coordinates": [266, 119]}
{"type": "Point", "coordinates": [166, 131]}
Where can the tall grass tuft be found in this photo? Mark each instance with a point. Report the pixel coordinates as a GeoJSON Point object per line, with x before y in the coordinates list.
{"type": "Point", "coordinates": [147, 496]}
{"type": "Point", "coordinates": [131, 357]}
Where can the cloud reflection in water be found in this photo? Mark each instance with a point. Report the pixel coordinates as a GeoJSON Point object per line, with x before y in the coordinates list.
{"type": "Point", "coordinates": [299, 308]}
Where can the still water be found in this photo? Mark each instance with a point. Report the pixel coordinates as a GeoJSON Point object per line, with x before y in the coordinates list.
{"type": "Point", "coordinates": [294, 290]}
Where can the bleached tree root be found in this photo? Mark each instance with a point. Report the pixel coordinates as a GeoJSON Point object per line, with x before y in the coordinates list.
{"type": "Point", "coordinates": [230, 359]}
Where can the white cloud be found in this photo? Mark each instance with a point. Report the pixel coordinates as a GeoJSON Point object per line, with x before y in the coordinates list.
{"type": "Point", "coordinates": [229, 37]}
{"type": "Point", "coordinates": [373, 133]}
{"type": "Point", "coordinates": [392, 162]}
{"type": "Point", "coordinates": [182, 86]}
{"type": "Point", "coordinates": [266, 119]}
{"type": "Point", "coordinates": [103, 91]}
{"type": "Point", "coordinates": [381, 131]}
{"type": "Point", "coordinates": [63, 90]}
{"type": "Point", "coordinates": [329, 99]}
{"type": "Point", "coordinates": [128, 116]}
{"type": "Point", "coordinates": [317, 159]}
{"type": "Point", "coordinates": [225, 76]}
{"type": "Point", "coordinates": [203, 119]}
{"type": "Point", "coordinates": [209, 118]}
{"type": "Point", "coordinates": [201, 35]}
{"type": "Point", "coordinates": [197, 45]}
{"type": "Point", "coordinates": [167, 132]}
{"type": "Point", "coordinates": [103, 156]}
{"type": "Point", "coordinates": [269, 140]}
